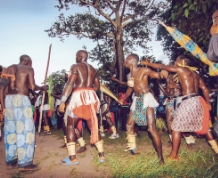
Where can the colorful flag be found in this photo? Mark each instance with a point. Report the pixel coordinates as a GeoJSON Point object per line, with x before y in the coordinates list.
{"type": "Point", "coordinates": [187, 43]}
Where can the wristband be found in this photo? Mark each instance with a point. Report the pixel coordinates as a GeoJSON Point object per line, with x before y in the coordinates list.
{"type": "Point", "coordinates": [64, 98]}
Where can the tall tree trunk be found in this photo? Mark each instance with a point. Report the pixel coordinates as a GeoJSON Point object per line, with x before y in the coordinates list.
{"type": "Point", "coordinates": [119, 54]}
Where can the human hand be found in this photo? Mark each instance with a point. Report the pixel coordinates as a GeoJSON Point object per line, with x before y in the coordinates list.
{"type": "Point", "coordinates": [209, 107]}
{"type": "Point", "coordinates": [120, 101]}
{"type": "Point", "coordinates": [61, 109]}
{"type": "Point", "coordinates": [113, 78]}
{"type": "Point", "coordinates": [164, 74]}
{"type": "Point", "coordinates": [145, 62]}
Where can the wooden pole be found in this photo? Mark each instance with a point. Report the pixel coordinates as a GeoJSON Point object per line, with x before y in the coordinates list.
{"type": "Point", "coordinates": [43, 96]}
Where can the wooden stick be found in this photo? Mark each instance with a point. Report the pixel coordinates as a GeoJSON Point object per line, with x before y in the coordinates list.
{"type": "Point", "coordinates": [43, 96]}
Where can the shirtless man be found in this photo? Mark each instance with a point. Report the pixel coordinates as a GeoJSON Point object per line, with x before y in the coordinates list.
{"type": "Point", "coordinates": [19, 130]}
{"type": "Point", "coordinates": [143, 106]}
{"type": "Point", "coordinates": [84, 104]}
{"type": "Point", "coordinates": [192, 115]}
{"type": "Point", "coordinates": [173, 92]}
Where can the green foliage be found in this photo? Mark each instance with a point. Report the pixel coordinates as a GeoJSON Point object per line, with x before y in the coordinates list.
{"type": "Point", "coordinates": [194, 19]}
{"type": "Point", "coordinates": [50, 90]}
{"type": "Point", "coordinates": [57, 80]}
{"type": "Point", "coordinates": [121, 25]}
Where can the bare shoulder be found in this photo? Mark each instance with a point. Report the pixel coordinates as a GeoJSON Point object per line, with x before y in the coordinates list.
{"type": "Point", "coordinates": [197, 76]}
{"type": "Point", "coordinates": [10, 69]}
{"type": "Point", "coordinates": [146, 70]}
{"type": "Point", "coordinates": [92, 68]}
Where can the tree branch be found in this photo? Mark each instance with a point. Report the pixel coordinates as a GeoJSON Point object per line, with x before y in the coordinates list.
{"type": "Point", "coordinates": [108, 2]}
{"type": "Point", "coordinates": [96, 6]}
{"type": "Point", "coordinates": [134, 15]}
{"type": "Point", "coordinates": [123, 10]}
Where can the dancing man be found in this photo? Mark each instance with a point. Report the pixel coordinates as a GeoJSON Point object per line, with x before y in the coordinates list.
{"type": "Point", "coordinates": [144, 105]}
{"type": "Point", "coordinates": [84, 104]}
{"type": "Point", "coordinates": [192, 115]}
{"type": "Point", "coordinates": [173, 92]}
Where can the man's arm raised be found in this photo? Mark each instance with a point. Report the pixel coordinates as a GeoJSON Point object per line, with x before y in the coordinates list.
{"type": "Point", "coordinates": [161, 66]}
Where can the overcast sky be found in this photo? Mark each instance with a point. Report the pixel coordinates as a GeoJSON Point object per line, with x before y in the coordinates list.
{"type": "Point", "coordinates": [22, 32]}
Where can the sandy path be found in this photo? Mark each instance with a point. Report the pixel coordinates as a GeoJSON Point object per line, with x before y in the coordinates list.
{"type": "Point", "coordinates": [48, 155]}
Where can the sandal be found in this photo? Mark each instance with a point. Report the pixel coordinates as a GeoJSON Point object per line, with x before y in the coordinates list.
{"type": "Point", "coordinates": [29, 168]}
{"type": "Point", "coordinates": [12, 166]}
{"type": "Point", "coordinates": [101, 160]}
{"type": "Point", "coordinates": [68, 162]}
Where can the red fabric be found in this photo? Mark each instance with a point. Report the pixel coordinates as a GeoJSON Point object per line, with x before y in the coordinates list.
{"type": "Point", "coordinates": [206, 118]}
{"type": "Point", "coordinates": [49, 113]}
{"type": "Point", "coordinates": [89, 112]}
{"type": "Point", "coordinates": [121, 96]}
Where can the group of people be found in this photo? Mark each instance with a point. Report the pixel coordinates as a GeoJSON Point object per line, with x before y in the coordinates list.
{"type": "Point", "coordinates": [187, 110]}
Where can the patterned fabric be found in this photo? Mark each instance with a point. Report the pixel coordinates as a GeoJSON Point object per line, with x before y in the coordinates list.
{"type": "Point", "coordinates": [161, 108]}
{"type": "Point", "coordinates": [189, 115]}
{"type": "Point", "coordinates": [19, 130]}
{"type": "Point", "coordinates": [170, 106]}
{"type": "Point", "coordinates": [139, 112]}
{"type": "Point", "coordinates": [187, 43]}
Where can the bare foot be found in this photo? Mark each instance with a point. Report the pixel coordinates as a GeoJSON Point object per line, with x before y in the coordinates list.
{"type": "Point", "coordinates": [174, 158]}
{"type": "Point", "coordinates": [63, 146]}
{"type": "Point", "coordinates": [81, 150]}
{"type": "Point", "coordinates": [161, 160]}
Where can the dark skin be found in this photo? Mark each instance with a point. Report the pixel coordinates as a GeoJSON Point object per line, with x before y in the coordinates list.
{"type": "Point", "coordinates": [108, 99]}
{"type": "Point", "coordinates": [77, 132]}
{"type": "Point", "coordinates": [140, 88]}
{"type": "Point", "coordinates": [24, 80]}
{"type": "Point", "coordinates": [190, 83]}
{"type": "Point", "coordinates": [172, 89]}
{"type": "Point", "coordinates": [82, 75]}
{"type": "Point", "coordinates": [3, 89]}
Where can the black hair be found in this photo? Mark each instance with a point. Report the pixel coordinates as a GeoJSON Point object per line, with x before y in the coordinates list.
{"type": "Point", "coordinates": [1, 69]}
{"type": "Point", "coordinates": [83, 51]}
{"type": "Point", "coordinates": [23, 57]}
{"type": "Point", "coordinates": [135, 56]}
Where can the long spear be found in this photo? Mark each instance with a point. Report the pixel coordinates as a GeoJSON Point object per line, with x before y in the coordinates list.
{"type": "Point", "coordinates": [43, 96]}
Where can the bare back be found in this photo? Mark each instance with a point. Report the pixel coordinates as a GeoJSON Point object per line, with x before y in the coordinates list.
{"type": "Point", "coordinates": [187, 80]}
{"type": "Point", "coordinates": [86, 75]}
{"type": "Point", "coordinates": [24, 80]}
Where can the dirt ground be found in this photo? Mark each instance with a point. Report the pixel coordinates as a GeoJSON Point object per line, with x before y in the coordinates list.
{"type": "Point", "coordinates": [48, 156]}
